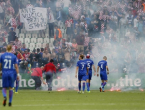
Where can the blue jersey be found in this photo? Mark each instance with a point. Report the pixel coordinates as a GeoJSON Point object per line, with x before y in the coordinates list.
{"type": "Point", "coordinates": [90, 63]}
{"type": "Point", "coordinates": [8, 60]}
{"type": "Point", "coordinates": [102, 64]}
{"type": "Point", "coordinates": [82, 67]}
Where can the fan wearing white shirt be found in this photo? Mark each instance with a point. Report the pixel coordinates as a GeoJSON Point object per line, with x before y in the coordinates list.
{"type": "Point", "coordinates": [51, 21]}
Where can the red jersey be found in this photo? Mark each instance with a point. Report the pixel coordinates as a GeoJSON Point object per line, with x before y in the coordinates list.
{"type": "Point", "coordinates": [26, 56]}
{"type": "Point", "coordinates": [19, 56]}
{"type": "Point", "coordinates": [50, 67]}
{"type": "Point", "coordinates": [37, 72]}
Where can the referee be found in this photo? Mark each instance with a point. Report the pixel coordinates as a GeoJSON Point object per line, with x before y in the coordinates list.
{"type": "Point", "coordinates": [37, 77]}
{"type": "Point", "coordinates": [49, 69]}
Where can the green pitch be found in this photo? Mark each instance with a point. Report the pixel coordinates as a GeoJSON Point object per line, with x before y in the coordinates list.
{"type": "Point", "coordinates": [71, 100]}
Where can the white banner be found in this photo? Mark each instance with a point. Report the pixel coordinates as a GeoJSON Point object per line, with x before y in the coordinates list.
{"type": "Point", "coordinates": [34, 18]}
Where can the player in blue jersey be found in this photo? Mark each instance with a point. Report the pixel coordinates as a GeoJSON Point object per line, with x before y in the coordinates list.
{"type": "Point", "coordinates": [82, 71]}
{"type": "Point", "coordinates": [7, 60]}
{"type": "Point", "coordinates": [103, 74]}
{"type": "Point", "coordinates": [15, 75]}
{"type": "Point", "coordinates": [90, 64]}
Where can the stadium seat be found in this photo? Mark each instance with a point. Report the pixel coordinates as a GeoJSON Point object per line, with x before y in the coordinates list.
{"type": "Point", "coordinates": [44, 44]}
{"type": "Point", "coordinates": [40, 40]}
{"type": "Point", "coordinates": [29, 32]}
{"type": "Point", "coordinates": [31, 49]}
{"type": "Point", "coordinates": [51, 40]}
{"type": "Point", "coordinates": [33, 40]}
{"type": "Point", "coordinates": [27, 45]}
{"type": "Point", "coordinates": [22, 40]}
{"type": "Point", "coordinates": [46, 40]}
{"type": "Point", "coordinates": [28, 35]}
{"type": "Point", "coordinates": [23, 31]}
{"type": "Point", "coordinates": [32, 45]}
{"type": "Point", "coordinates": [51, 45]}
{"type": "Point", "coordinates": [21, 36]}
{"type": "Point", "coordinates": [38, 45]}
{"type": "Point", "coordinates": [27, 40]}
{"type": "Point", "coordinates": [34, 36]}
{"type": "Point", "coordinates": [47, 35]}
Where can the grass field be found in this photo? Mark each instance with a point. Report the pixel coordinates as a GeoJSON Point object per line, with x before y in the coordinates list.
{"type": "Point", "coordinates": [71, 100]}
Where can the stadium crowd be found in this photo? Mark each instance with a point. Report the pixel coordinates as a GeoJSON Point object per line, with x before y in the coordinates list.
{"type": "Point", "coordinates": [115, 28]}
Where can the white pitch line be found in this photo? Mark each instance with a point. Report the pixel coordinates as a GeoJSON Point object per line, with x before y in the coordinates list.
{"type": "Point", "coordinates": [64, 104]}
{"type": "Point", "coordinates": [86, 104]}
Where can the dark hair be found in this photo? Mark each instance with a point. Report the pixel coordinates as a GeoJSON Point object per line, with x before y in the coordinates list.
{"type": "Point", "coordinates": [38, 50]}
{"type": "Point", "coordinates": [51, 60]}
{"type": "Point", "coordinates": [28, 50]}
{"type": "Point", "coordinates": [34, 50]}
{"type": "Point", "coordinates": [42, 49]}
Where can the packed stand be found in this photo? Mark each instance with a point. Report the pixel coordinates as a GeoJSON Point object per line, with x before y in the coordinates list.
{"type": "Point", "coordinates": [114, 28]}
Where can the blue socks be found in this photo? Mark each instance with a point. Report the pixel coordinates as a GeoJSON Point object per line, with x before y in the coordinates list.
{"type": "Point", "coordinates": [4, 91]}
{"type": "Point", "coordinates": [10, 96]}
{"type": "Point", "coordinates": [88, 86]}
{"type": "Point", "coordinates": [17, 85]}
{"type": "Point", "coordinates": [101, 85]}
{"type": "Point", "coordinates": [79, 86]}
{"type": "Point", "coordinates": [104, 84]}
{"type": "Point", "coordinates": [84, 86]}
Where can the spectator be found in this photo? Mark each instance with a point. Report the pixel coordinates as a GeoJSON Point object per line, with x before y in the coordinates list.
{"type": "Point", "coordinates": [23, 47]}
{"type": "Point", "coordinates": [46, 56]}
{"type": "Point", "coordinates": [7, 18]}
{"type": "Point", "coordinates": [47, 48]}
{"type": "Point", "coordinates": [12, 22]}
{"type": "Point", "coordinates": [32, 59]}
{"type": "Point", "coordinates": [1, 43]}
{"type": "Point", "coordinates": [12, 35]}
{"type": "Point", "coordinates": [19, 54]}
{"type": "Point", "coordinates": [37, 4]}
{"type": "Point", "coordinates": [58, 34]}
{"type": "Point", "coordinates": [67, 57]}
{"type": "Point", "coordinates": [51, 21]}
{"type": "Point", "coordinates": [68, 25]}
{"type": "Point", "coordinates": [66, 3]}
{"type": "Point", "coordinates": [80, 41]}
{"type": "Point", "coordinates": [74, 46]}
{"type": "Point", "coordinates": [54, 56]}
{"type": "Point", "coordinates": [59, 17]}
{"type": "Point", "coordinates": [49, 71]}
{"type": "Point", "coordinates": [18, 43]}
{"type": "Point", "coordinates": [38, 57]}
{"type": "Point", "coordinates": [1, 13]}
{"type": "Point", "coordinates": [26, 55]}
{"type": "Point", "coordinates": [29, 5]}
{"type": "Point", "coordinates": [60, 56]}
{"type": "Point", "coordinates": [37, 77]}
